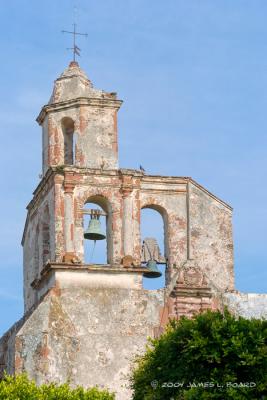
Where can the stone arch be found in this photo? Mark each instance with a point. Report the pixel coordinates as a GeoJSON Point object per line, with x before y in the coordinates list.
{"type": "Point", "coordinates": [46, 235]}
{"type": "Point", "coordinates": [104, 203]}
{"type": "Point", "coordinates": [164, 214]}
{"type": "Point", "coordinates": [67, 125]}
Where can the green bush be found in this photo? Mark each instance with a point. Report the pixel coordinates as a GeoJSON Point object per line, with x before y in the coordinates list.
{"type": "Point", "coordinates": [21, 388]}
{"type": "Point", "coordinates": [211, 356]}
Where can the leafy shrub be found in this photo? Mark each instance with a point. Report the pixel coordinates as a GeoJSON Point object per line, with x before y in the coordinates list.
{"type": "Point", "coordinates": [21, 388]}
{"type": "Point", "coordinates": [211, 356]}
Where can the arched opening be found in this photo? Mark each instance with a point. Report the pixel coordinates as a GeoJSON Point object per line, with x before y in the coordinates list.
{"type": "Point", "coordinates": [69, 140]}
{"type": "Point", "coordinates": [45, 236]}
{"type": "Point", "coordinates": [154, 243]}
{"type": "Point", "coordinates": [97, 208]}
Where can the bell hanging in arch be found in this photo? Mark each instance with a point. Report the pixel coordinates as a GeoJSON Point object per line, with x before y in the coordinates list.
{"type": "Point", "coordinates": [93, 231]}
{"type": "Point", "coordinates": [153, 272]}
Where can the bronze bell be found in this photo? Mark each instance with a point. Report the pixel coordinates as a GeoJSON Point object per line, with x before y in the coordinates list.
{"type": "Point", "coordinates": [93, 231]}
{"type": "Point", "coordinates": [153, 272]}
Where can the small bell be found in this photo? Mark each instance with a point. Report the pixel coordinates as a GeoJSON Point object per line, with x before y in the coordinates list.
{"type": "Point", "coordinates": [93, 231]}
{"type": "Point", "coordinates": [153, 272]}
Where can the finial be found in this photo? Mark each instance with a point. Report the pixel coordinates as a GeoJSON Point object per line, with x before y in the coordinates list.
{"type": "Point", "coordinates": [76, 50]}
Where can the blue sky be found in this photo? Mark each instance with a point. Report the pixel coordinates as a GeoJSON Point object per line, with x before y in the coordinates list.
{"type": "Point", "coordinates": [193, 77]}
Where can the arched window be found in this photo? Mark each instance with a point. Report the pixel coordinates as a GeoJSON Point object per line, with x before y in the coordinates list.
{"type": "Point", "coordinates": [45, 236]}
{"type": "Point", "coordinates": [98, 251]}
{"type": "Point", "coordinates": [154, 243]}
{"type": "Point", "coordinates": [69, 142]}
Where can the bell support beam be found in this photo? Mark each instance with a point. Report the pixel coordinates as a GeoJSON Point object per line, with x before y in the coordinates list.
{"type": "Point", "coordinates": [92, 211]}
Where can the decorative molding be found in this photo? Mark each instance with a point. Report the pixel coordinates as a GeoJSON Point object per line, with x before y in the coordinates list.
{"type": "Point", "coordinates": [79, 102]}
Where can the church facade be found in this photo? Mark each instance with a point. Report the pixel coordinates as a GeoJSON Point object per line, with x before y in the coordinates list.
{"type": "Point", "coordinates": [86, 322]}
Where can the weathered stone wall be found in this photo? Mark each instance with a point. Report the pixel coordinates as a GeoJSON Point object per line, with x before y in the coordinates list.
{"type": "Point", "coordinates": [8, 346]}
{"type": "Point", "coordinates": [247, 305]}
{"type": "Point", "coordinates": [96, 137]}
{"type": "Point", "coordinates": [38, 241]}
{"type": "Point", "coordinates": [198, 226]}
{"type": "Point", "coordinates": [122, 195]}
{"type": "Point", "coordinates": [192, 292]}
{"type": "Point", "coordinates": [87, 335]}
{"type": "Point", "coordinates": [7, 351]}
{"type": "Point", "coordinates": [211, 239]}
{"type": "Point", "coordinates": [89, 327]}
{"type": "Point", "coordinates": [45, 146]}
{"type": "Point", "coordinates": [167, 195]}
{"type": "Point", "coordinates": [195, 222]}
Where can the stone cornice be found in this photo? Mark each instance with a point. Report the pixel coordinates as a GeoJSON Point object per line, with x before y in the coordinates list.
{"type": "Point", "coordinates": [131, 172]}
{"type": "Point", "coordinates": [172, 180]}
{"type": "Point", "coordinates": [183, 291]}
{"type": "Point", "coordinates": [81, 101]}
{"type": "Point", "coordinates": [105, 268]}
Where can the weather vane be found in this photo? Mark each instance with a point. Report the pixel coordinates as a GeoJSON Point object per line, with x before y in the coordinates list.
{"type": "Point", "coordinates": [76, 50]}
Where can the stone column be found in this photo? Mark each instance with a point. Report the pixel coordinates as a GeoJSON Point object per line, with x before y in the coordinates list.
{"type": "Point", "coordinates": [127, 223]}
{"type": "Point", "coordinates": [68, 221]}
{"type": "Point", "coordinates": [59, 218]}
{"type": "Point", "coordinates": [127, 219]}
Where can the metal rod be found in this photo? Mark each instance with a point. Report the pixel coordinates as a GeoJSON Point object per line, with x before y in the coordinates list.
{"type": "Point", "coordinates": [75, 48]}
{"type": "Point", "coordinates": [74, 42]}
{"type": "Point", "coordinates": [92, 253]}
{"type": "Point", "coordinates": [188, 233]}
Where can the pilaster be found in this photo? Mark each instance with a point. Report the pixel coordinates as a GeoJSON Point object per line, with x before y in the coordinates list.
{"type": "Point", "coordinates": [69, 218]}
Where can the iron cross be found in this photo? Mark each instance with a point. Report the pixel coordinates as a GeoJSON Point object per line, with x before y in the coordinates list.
{"type": "Point", "coordinates": [76, 50]}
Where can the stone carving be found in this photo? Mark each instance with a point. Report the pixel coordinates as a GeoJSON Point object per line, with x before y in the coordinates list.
{"type": "Point", "coordinates": [190, 274]}
{"type": "Point", "coordinates": [193, 276]}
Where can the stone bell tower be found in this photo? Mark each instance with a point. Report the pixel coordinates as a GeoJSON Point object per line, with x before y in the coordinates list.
{"type": "Point", "coordinates": [79, 124]}
{"type": "Point", "coordinates": [85, 322]}
{"type": "Point", "coordinates": [80, 157]}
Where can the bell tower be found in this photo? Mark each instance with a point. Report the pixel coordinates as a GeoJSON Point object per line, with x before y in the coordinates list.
{"type": "Point", "coordinates": [80, 165]}
{"type": "Point", "coordinates": [79, 124]}
{"type": "Point", "coordinates": [83, 321]}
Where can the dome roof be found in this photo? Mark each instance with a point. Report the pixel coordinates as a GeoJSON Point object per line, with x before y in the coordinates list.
{"type": "Point", "coordinates": [73, 83]}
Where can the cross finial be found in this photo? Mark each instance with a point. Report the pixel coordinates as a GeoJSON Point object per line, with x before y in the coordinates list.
{"type": "Point", "coordinates": [76, 50]}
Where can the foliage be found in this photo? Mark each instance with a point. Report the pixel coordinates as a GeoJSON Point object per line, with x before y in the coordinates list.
{"type": "Point", "coordinates": [211, 356]}
{"type": "Point", "coordinates": [21, 388]}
